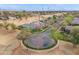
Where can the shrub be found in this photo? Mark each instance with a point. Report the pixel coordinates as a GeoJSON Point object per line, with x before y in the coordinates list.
{"type": "Point", "coordinates": [56, 34]}
{"type": "Point", "coordinates": [73, 37]}
{"type": "Point", "coordinates": [13, 26]}
{"type": "Point", "coordinates": [20, 27]}
{"type": "Point", "coordinates": [24, 34]}
{"type": "Point", "coordinates": [67, 20]}
{"type": "Point", "coordinates": [54, 17]}
{"type": "Point", "coordinates": [5, 25]}
{"type": "Point", "coordinates": [1, 25]}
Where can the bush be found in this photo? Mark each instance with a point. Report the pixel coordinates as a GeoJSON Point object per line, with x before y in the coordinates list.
{"type": "Point", "coordinates": [24, 34]}
{"type": "Point", "coordinates": [13, 26]}
{"type": "Point", "coordinates": [1, 25]}
{"type": "Point", "coordinates": [67, 20]}
{"type": "Point", "coordinates": [20, 27]}
{"type": "Point", "coordinates": [56, 34]}
{"type": "Point", "coordinates": [54, 17]}
{"type": "Point", "coordinates": [5, 25]}
{"type": "Point", "coordinates": [73, 37]}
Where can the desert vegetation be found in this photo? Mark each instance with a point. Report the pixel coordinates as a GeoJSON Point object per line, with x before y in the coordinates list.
{"type": "Point", "coordinates": [61, 26]}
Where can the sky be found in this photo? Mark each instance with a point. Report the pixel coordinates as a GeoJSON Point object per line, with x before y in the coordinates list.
{"type": "Point", "coordinates": [40, 7]}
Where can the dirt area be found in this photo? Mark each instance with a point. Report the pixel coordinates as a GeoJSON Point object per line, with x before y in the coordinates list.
{"type": "Point", "coordinates": [64, 48]}
{"type": "Point", "coordinates": [10, 45]}
{"type": "Point", "coordinates": [8, 41]}
{"type": "Point", "coordinates": [24, 20]}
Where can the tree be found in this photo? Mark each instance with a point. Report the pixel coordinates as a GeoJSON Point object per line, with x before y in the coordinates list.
{"type": "Point", "coordinates": [56, 34]}
{"type": "Point", "coordinates": [54, 17]}
{"type": "Point", "coordinates": [67, 20]}
{"type": "Point", "coordinates": [19, 15]}
{"type": "Point", "coordinates": [75, 36]}
{"type": "Point", "coordinates": [72, 38]}
{"type": "Point", "coordinates": [22, 14]}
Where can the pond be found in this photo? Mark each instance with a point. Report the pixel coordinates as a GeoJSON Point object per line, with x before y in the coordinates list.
{"type": "Point", "coordinates": [40, 41]}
